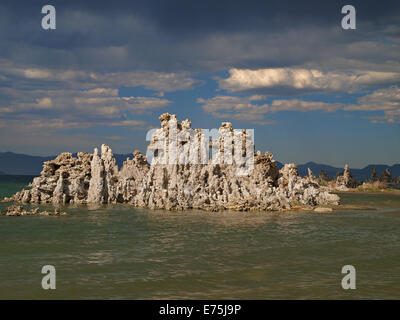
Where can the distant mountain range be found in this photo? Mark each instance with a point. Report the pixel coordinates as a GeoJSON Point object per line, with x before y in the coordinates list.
{"type": "Point", "coordinates": [358, 174]}
{"type": "Point", "coordinates": [22, 164]}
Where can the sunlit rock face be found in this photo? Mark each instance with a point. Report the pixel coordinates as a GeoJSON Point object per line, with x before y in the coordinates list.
{"type": "Point", "coordinates": [189, 168]}
{"type": "Point", "coordinates": [345, 181]}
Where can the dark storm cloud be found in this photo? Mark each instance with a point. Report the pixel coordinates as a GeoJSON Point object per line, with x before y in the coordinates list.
{"type": "Point", "coordinates": [192, 35]}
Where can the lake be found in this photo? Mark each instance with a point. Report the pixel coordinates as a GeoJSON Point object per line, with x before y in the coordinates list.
{"type": "Point", "coordinates": [121, 252]}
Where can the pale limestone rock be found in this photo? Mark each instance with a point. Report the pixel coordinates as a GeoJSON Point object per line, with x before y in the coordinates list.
{"type": "Point", "coordinates": [110, 173]}
{"type": "Point", "coordinates": [181, 175]}
{"type": "Point", "coordinates": [59, 191]}
{"type": "Point", "coordinates": [346, 181]}
{"type": "Point", "coordinates": [97, 191]}
{"type": "Point", "coordinates": [323, 209]}
{"type": "Point", "coordinates": [310, 175]}
{"type": "Point", "coordinates": [17, 211]}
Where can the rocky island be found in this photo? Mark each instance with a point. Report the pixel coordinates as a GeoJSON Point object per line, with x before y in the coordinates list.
{"type": "Point", "coordinates": [214, 184]}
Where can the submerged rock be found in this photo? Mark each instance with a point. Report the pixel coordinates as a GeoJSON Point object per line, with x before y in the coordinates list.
{"type": "Point", "coordinates": [17, 211]}
{"type": "Point", "coordinates": [182, 174]}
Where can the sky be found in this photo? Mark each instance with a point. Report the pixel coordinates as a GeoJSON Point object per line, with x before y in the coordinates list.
{"type": "Point", "coordinates": [311, 90]}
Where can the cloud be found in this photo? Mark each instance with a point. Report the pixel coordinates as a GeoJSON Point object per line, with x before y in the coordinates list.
{"type": "Point", "coordinates": [239, 108]}
{"type": "Point", "coordinates": [179, 36]}
{"type": "Point", "coordinates": [37, 123]}
{"type": "Point", "coordinates": [44, 103]}
{"type": "Point", "coordinates": [247, 109]}
{"type": "Point", "coordinates": [244, 108]}
{"type": "Point", "coordinates": [303, 106]}
{"type": "Point", "coordinates": [60, 109]}
{"type": "Point", "coordinates": [386, 100]}
{"type": "Point", "coordinates": [63, 98]}
{"type": "Point", "coordinates": [71, 78]}
{"type": "Point", "coordinates": [303, 80]}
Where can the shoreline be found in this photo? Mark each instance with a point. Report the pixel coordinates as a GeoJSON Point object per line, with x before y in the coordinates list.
{"type": "Point", "coordinates": [378, 191]}
{"type": "Point", "coordinates": [90, 207]}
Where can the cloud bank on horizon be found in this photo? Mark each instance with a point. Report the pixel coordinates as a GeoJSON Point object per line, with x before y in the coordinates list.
{"type": "Point", "coordinates": [109, 70]}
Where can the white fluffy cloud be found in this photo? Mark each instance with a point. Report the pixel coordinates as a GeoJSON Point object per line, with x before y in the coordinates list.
{"type": "Point", "coordinates": [240, 108]}
{"type": "Point", "coordinates": [62, 98]}
{"type": "Point", "coordinates": [246, 108]}
{"type": "Point", "coordinates": [304, 79]}
{"type": "Point", "coordinates": [386, 100]}
{"type": "Point", "coordinates": [60, 109]}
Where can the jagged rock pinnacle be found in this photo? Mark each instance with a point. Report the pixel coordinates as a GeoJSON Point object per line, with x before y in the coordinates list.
{"type": "Point", "coordinates": [196, 183]}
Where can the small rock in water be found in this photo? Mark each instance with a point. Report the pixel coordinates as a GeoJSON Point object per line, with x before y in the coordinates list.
{"type": "Point", "coordinates": [323, 209]}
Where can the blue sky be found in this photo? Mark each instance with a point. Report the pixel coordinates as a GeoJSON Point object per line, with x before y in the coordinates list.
{"type": "Point", "coordinates": [311, 90]}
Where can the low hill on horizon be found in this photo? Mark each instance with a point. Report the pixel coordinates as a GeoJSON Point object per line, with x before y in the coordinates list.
{"type": "Point", "coordinates": [358, 174]}
{"type": "Point", "coordinates": [21, 164]}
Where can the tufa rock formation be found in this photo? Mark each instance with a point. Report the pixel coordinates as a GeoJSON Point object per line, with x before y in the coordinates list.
{"type": "Point", "coordinates": [17, 211]}
{"type": "Point", "coordinates": [323, 176]}
{"type": "Point", "coordinates": [374, 175]}
{"type": "Point", "coordinates": [386, 176]}
{"type": "Point", "coordinates": [345, 181]}
{"type": "Point", "coordinates": [184, 173]}
{"type": "Point", "coordinates": [311, 175]}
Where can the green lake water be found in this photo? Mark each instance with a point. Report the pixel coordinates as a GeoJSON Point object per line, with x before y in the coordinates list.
{"type": "Point", "coordinates": [119, 252]}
